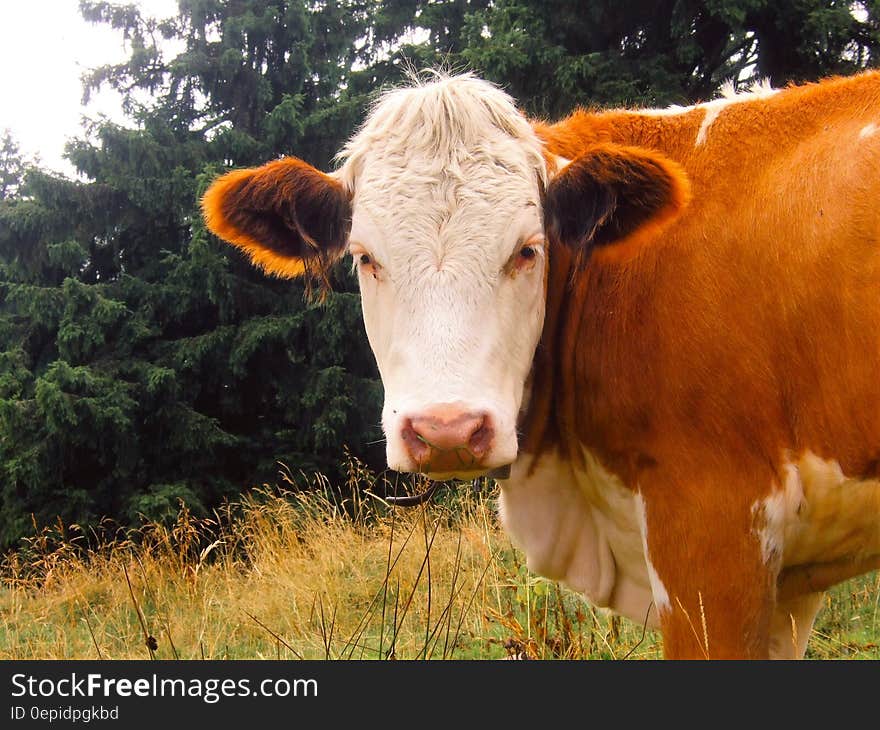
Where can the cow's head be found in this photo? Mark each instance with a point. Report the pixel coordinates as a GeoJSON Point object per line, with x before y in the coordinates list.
{"type": "Point", "coordinates": [445, 200]}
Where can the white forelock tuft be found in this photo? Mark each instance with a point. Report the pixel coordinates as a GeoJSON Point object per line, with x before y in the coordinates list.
{"type": "Point", "coordinates": [439, 117]}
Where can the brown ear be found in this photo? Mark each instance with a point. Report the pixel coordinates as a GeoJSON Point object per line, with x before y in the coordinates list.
{"type": "Point", "coordinates": [612, 198]}
{"type": "Point", "coordinates": [286, 215]}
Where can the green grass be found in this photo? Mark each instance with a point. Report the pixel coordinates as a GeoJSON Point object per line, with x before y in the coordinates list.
{"type": "Point", "coordinates": [848, 627]}
{"type": "Point", "coordinates": [298, 573]}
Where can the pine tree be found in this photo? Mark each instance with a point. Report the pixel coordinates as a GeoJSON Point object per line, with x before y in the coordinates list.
{"type": "Point", "coordinates": [142, 361]}
{"type": "Point", "coordinates": [558, 54]}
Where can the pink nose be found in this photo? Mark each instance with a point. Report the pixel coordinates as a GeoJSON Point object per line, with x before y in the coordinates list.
{"type": "Point", "coordinates": [448, 438]}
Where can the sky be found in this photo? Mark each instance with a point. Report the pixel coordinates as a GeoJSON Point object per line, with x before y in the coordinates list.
{"type": "Point", "coordinates": [45, 47]}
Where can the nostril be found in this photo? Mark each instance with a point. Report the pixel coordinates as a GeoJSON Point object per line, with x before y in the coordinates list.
{"type": "Point", "coordinates": [415, 443]}
{"type": "Point", "coordinates": [481, 439]}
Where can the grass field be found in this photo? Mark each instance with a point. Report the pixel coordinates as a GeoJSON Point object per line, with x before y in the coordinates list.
{"type": "Point", "coordinates": [296, 573]}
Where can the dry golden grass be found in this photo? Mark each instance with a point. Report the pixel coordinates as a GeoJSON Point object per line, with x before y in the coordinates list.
{"type": "Point", "coordinates": [298, 573]}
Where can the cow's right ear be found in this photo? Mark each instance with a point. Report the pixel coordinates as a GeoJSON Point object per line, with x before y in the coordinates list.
{"type": "Point", "coordinates": [612, 199]}
{"type": "Point", "coordinates": [288, 217]}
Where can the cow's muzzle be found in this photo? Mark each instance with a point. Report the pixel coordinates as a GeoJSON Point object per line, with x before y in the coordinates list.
{"type": "Point", "coordinates": [447, 439]}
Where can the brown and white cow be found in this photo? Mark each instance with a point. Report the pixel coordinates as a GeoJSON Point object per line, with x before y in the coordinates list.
{"type": "Point", "coordinates": [667, 321]}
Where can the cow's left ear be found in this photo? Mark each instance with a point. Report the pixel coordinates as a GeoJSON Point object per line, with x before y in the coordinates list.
{"type": "Point", "coordinates": [612, 198]}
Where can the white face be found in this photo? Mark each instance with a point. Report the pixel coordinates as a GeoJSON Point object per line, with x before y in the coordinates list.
{"type": "Point", "coordinates": [450, 255]}
{"type": "Point", "coordinates": [453, 313]}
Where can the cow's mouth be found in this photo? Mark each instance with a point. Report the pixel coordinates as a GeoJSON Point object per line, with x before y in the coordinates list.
{"type": "Point", "coordinates": [499, 472]}
{"type": "Point", "coordinates": [414, 500]}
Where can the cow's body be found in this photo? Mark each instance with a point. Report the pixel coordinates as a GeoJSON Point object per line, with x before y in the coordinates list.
{"type": "Point", "coordinates": [700, 426]}
{"type": "Point", "coordinates": [730, 374]}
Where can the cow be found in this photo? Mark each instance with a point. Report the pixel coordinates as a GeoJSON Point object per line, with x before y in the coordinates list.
{"type": "Point", "coordinates": [665, 322]}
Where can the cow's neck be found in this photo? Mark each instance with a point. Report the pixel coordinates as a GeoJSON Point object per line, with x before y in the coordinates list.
{"type": "Point", "coordinates": [568, 410]}
{"type": "Point", "coordinates": [585, 308]}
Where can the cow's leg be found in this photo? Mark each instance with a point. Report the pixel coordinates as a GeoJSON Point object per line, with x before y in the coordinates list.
{"type": "Point", "coordinates": [791, 625]}
{"type": "Point", "coordinates": [712, 576]}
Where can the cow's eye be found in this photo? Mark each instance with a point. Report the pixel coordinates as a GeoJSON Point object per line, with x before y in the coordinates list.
{"type": "Point", "coordinates": [365, 263]}
{"type": "Point", "coordinates": [526, 257]}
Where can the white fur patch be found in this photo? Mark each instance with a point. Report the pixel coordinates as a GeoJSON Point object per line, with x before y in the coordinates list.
{"type": "Point", "coordinates": [712, 109]}
{"type": "Point", "coordinates": [661, 596]}
{"type": "Point", "coordinates": [868, 130]}
{"type": "Point", "coordinates": [729, 96]}
{"type": "Point", "coordinates": [769, 517]}
{"type": "Point", "coordinates": [561, 163]}
{"type": "Point", "coordinates": [773, 513]}
{"type": "Point", "coordinates": [818, 515]}
{"type": "Point", "coordinates": [669, 111]}
{"type": "Point", "coordinates": [580, 527]}
{"type": "Point", "coordinates": [586, 529]}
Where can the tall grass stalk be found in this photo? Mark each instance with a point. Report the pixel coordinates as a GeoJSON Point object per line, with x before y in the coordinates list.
{"type": "Point", "coordinates": [297, 571]}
